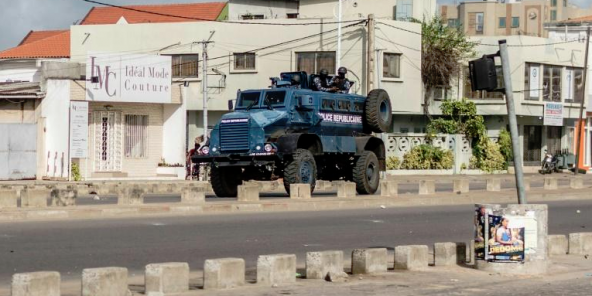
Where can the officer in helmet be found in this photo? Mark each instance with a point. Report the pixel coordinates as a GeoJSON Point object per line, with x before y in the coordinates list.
{"type": "Point", "coordinates": [340, 81]}
{"type": "Point", "coordinates": [322, 82]}
{"type": "Point", "coordinates": [295, 81]}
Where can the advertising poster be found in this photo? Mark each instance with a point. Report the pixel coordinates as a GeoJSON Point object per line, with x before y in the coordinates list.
{"type": "Point", "coordinates": [553, 114]}
{"type": "Point", "coordinates": [505, 243]}
{"type": "Point", "coordinates": [480, 232]}
{"type": "Point", "coordinates": [78, 129]}
{"type": "Point", "coordinates": [534, 81]}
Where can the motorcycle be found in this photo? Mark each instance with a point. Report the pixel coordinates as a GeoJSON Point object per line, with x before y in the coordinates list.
{"type": "Point", "coordinates": [549, 164]}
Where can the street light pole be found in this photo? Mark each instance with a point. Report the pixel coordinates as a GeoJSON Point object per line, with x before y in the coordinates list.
{"type": "Point", "coordinates": [507, 72]}
{"type": "Point", "coordinates": [204, 85]}
{"type": "Point", "coordinates": [339, 18]}
{"type": "Point", "coordinates": [581, 125]}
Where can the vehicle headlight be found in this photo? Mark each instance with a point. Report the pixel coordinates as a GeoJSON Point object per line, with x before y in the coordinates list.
{"type": "Point", "coordinates": [205, 150]}
{"type": "Point", "coordinates": [258, 147]}
{"type": "Point", "coordinates": [268, 147]}
{"type": "Point", "coordinates": [214, 149]}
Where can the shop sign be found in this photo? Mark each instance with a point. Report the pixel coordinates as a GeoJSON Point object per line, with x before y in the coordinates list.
{"type": "Point", "coordinates": [128, 78]}
{"type": "Point", "coordinates": [553, 114]}
{"type": "Point", "coordinates": [78, 129]}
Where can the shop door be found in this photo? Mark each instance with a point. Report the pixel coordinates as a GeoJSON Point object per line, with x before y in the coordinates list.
{"type": "Point", "coordinates": [532, 144]}
{"type": "Point", "coordinates": [554, 139]}
{"type": "Point", "coordinates": [18, 151]}
{"type": "Point", "coordinates": [108, 141]}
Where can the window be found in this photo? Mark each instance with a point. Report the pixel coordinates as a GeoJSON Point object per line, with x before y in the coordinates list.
{"type": "Point", "coordinates": [453, 23]}
{"type": "Point", "coordinates": [515, 22]}
{"type": "Point", "coordinates": [552, 83]}
{"type": "Point", "coordinates": [275, 98]}
{"type": "Point", "coordinates": [136, 136]}
{"type": "Point", "coordinates": [343, 105]}
{"type": "Point", "coordinates": [404, 10]}
{"type": "Point", "coordinates": [574, 86]}
{"type": "Point", "coordinates": [553, 15]}
{"type": "Point", "coordinates": [553, 3]}
{"type": "Point", "coordinates": [479, 95]}
{"type": "Point", "coordinates": [185, 66]}
{"type": "Point", "coordinates": [328, 104]}
{"type": "Point", "coordinates": [358, 107]}
{"type": "Point", "coordinates": [313, 62]}
{"type": "Point", "coordinates": [532, 74]}
{"type": "Point", "coordinates": [250, 99]}
{"type": "Point", "coordinates": [502, 22]}
{"type": "Point", "coordinates": [291, 15]}
{"type": "Point", "coordinates": [479, 19]}
{"type": "Point", "coordinates": [391, 65]}
{"type": "Point", "coordinates": [564, 3]}
{"type": "Point", "coordinates": [252, 17]}
{"type": "Point", "coordinates": [244, 61]}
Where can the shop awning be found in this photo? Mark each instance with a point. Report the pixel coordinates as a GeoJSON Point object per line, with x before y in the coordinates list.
{"type": "Point", "coordinates": [21, 90]}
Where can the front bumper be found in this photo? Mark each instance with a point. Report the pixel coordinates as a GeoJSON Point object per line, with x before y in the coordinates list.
{"type": "Point", "coordinates": [239, 160]}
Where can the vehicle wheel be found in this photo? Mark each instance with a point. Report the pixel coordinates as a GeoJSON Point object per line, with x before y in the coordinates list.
{"type": "Point", "coordinates": [225, 180]}
{"type": "Point", "coordinates": [301, 169]}
{"type": "Point", "coordinates": [367, 173]}
{"type": "Point", "coordinates": [378, 116]}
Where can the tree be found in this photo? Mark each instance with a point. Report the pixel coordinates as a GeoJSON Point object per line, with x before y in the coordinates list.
{"type": "Point", "coordinates": [443, 51]}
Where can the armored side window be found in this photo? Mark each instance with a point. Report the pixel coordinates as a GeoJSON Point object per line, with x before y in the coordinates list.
{"type": "Point", "coordinates": [275, 97]}
{"type": "Point", "coordinates": [344, 105]}
{"type": "Point", "coordinates": [358, 107]}
{"type": "Point", "coordinates": [328, 104]}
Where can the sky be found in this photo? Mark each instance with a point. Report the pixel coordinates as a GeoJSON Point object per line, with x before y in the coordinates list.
{"type": "Point", "coordinates": [18, 17]}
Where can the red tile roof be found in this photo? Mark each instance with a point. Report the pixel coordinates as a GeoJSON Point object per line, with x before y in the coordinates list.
{"type": "Point", "coordinates": [56, 46]}
{"type": "Point", "coordinates": [197, 11]}
{"type": "Point", "coordinates": [38, 35]}
{"type": "Point", "coordinates": [583, 19]}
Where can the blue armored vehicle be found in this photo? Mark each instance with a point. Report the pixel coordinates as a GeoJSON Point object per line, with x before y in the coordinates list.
{"type": "Point", "coordinates": [299, 134]}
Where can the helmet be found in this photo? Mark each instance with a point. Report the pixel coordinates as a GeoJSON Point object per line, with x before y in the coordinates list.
{"type": "Point", "coordinates": [296, 78]}
{"type": "Point", "coordinates": [324, 72]}
{"type": "Point", "coordinates": [342, 71]}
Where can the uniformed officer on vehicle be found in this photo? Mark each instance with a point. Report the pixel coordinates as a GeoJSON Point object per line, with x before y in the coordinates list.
{"type": "Point", "coordinates": [340, 81]}
{"type": "Point", "coordinates": [322, 82]}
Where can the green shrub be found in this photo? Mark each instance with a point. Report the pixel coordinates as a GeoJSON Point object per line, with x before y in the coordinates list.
{"type": "Point", "coordinates": [76, 172]}
{"type": "Point", "coordinates": [505, 143]}
{"type": "Point", "coordinates": [491, 158]}
{"type": "Point", "coordinates": [425, 157]}
{"type": "Point", "coordinates": [393, 163]}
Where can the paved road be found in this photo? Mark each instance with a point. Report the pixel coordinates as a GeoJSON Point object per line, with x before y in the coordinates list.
{"type": "Point", "coordinates": [70, 246]}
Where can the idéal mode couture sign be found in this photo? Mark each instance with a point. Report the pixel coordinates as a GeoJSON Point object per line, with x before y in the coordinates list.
{"type": "Point", "coordinates": [128, 78]}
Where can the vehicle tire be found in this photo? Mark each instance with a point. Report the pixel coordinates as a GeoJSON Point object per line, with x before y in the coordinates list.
{"type": "Point", "coordinates": [225, 180]}
{"type": "Point", "coordinates": [301, 169]}
{"type": "Point", "coordinates": [378, 116]}
{"type": "Point", "coordinates": [367, 173]}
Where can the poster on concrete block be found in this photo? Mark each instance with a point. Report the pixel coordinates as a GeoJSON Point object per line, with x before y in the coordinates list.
{"type": "Point", "coordinates": [553, 114]}
{"type": "Point", "coordinates": [530, 225]}
{"type": "Point", "coordinates": [78, 129]}
{"type": "Point", "coordinates": [506, 239]}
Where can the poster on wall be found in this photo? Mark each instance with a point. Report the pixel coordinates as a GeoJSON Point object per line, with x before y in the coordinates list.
{"type": "Point", "coordinates": [553, 114]}
{"type": "Point", "coordinates": [569, 76]}
{"type": "Point", "coordinates": [78, 129]}
{"type": "Point", "coordinates": [501, 237]}
{"type": "Point", "coordinates": [137, 78]}
{"type": "Point", "coordinates": [534, 81]}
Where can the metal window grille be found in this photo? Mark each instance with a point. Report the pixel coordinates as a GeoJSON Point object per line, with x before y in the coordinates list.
{"type": "Point", "coordinates": [391, 67]}
{"type": "Point", "coordinates": [185, 66]}
{"type": "Point", "coordinates": [244, 61]}
{"type": "Point", "coordinates": [136, 136]}
{"type": "Point", "coordinates": [313, 62]}
{"type": "Point", "coordinates": [107, 130]}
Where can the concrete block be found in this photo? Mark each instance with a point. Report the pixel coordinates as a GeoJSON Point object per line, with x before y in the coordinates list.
{"type": "Point", "coordinates": [550, 183]}
{"type": "Point", "coordinates": [389, 188]}
{"type": "Point", "coordinates": [366, 261]}
{"type": "Point", "coordinates": [580, 243]}
{"type": "Point", "coordinates": [224, 273]}
{"type": "Point", "coordinates": [413, 257]}
{"type": "Point", "coordinates": [166, 278]}
{"type": "Point", "coordinates": [300, 191]}
{"type": "Point", "coordinates": [319, 264]}
{"type": "Point", "coordinates": [249, 192]}
{"type": "Point", "coordinates": [130, 196]}
{"type": "Point", "coordinates": [43, 283]}
{"type": "Point", "coordinates": [461, 186]}
{"type": "Point", "coordinates": [494, 184]}
{"type": "Point", "coordinates": [576, 183]}
{"type": "Point", "coordinates": [34, 198]}
{"type": "Point", "coordinates": [8, 198]}
{"type": "Point", "coordinates": [106, 281]}
{"type": "Point", "coordinates": [323, 185]}
{"type": "Point", "coordinates": [64, 197]}
{"type": "Point", "coordinates": [427, 187]}
{"type": "Point", "coordinates": [557, 244]}
{"type": "Point", "coordinates": [193, 194]}
{"type": "Point", "coordinates": [471, 252]}
{"type": "Point", "coordinates": [276, 269]}
{"type": "Point", "coordinates": [450, 254]}
{"type": "Point", "coordinates": [346, 190]}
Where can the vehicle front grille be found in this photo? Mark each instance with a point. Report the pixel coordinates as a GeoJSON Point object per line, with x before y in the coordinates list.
{"type": "Point", "coordinates": [234, 135]}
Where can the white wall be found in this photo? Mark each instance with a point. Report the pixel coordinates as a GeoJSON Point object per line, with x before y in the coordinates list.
{"type": "Point", "coordinates": [174, 130]}
{"type": "Point", "coordinates": [362, 8]}
{"type": "Point", "coordinates": [19, 70]}
{"type": "Point", "coordinates": [270, 9]}
{"type": "Point", "coordinates": [55, 108]}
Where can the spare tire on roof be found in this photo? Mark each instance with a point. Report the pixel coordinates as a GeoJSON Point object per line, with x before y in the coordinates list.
{"type": "Point", "coordinates": [378, 116]}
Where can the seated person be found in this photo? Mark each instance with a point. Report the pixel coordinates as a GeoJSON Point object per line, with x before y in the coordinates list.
{"type": "Point", "coordinates": [322, 82]}
{"type": "Point", "coordinates": [340, 82]}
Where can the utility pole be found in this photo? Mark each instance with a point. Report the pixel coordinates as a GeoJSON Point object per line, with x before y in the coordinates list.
{"type": "Point", "coordinates": [507, 72]}
{"type": "Point", "coordinates": [581, 124]}
{"type": "Point", "coordinates": [204, 86]}
{"type": "Point", "coordinates": [371, 53]}
{"type": "Point", "coordinates": [339, 18]}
